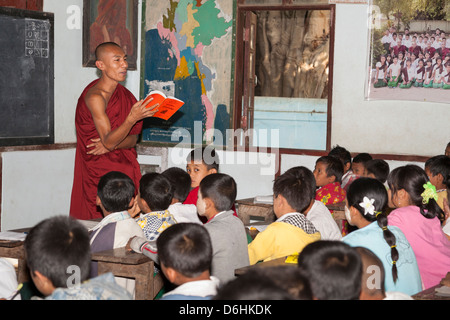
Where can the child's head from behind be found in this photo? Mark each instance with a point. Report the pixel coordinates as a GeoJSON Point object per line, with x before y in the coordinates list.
{"type": "Point", "coordinates": [333, 268]}
{"type": "Point", "coordinates": [217, 193]}
{"type": "Point", "coordinates": [53, 248]}
{"type": "Point", "coordinates": [115, 192]}
{"type": "Point", "coordinates": [180, 181]}
{"type": "Point", "coordinates": [377, 169]}
{"type": "Point", "coordinates": [344, 155]}
{"type": "Point", "coordinates": [297, 187]}
{"type": "Point", "coordinates": [373, 275]}
{"type": "Point", "coordinates": [201, 162]}
{"type": "Point", "coordinates": [268, 283]}
{"type": "Point", "coordinates": [155, 192]}
{"type": "Point", "coordinates": [185, 251]}
{"type": "Point", "coordinates": [358, 163]}
{"type": "Point", "coordinates": [407, 187]}
{"type": "Point", "coordinates": [365, 190]}
{"type": "Point", "coordinates": [328, 169]}
{"type": "Point", "coordinates": [437, 169]}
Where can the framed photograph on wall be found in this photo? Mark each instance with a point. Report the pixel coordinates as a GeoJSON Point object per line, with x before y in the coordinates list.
{"type": "Point", "coordinates": [110, 20]}
{"type": "Point", "coordinates": [409, 51]}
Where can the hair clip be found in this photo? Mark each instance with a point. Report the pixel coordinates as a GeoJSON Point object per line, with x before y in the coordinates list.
{"type": "Point", "coordinates": [368, 206]}
{"type": "Point", "coordinates": [429, 193]}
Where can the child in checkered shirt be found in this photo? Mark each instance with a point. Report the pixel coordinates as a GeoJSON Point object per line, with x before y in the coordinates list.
{"type": "Point", "coordinates": [154, 198]}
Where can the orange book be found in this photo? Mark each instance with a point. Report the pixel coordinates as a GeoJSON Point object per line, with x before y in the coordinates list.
{"type": "Point", "coordinates": [167, 105]}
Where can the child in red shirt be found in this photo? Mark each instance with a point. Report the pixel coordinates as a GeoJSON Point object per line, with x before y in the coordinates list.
{"type": "Point", "coordinates": [328, 173]}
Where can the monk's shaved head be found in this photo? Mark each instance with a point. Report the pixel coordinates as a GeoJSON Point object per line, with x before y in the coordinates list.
{"type": "Point", "coordinates": [103, 47]}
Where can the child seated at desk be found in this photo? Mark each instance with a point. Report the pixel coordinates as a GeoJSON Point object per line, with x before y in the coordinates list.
{"type": "Point", "coordinates": [366, 202]}
{"type": "Point", "coordinates": [181, 185]}
{"type": "Point", "coordinates": [154, 198]}
{"type": "Point", "coordinates": [377, 169]}
{"type": "Point", "coordinates": [201, 162]}
{"type": "Point", "coordinates": [292, 230]}
{"type": "Point", "coordinates": [334, 270]}
{"type": "Point", "coordinates": [185, 256]}
{"type": "Point", "coordinates": [316, 212]}
{"type": "Point", "coordinates": [115, 195]}
{"type": "Point", "coordinates": [328, 174]}
{"type": "Point", "coordinates": [216, 196]}
{"type": "Point", "coordinates": [437, 169]}
{"type": "Point", "coordinates": [58, 245]}
{"type": "Point", "coordinates": [346, 158]}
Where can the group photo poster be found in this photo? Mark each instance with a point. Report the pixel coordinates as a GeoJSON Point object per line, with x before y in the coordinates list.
{"type": "Point", "coordinates": [409, 50]}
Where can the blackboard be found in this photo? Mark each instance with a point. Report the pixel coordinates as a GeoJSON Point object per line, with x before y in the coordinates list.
{"type": "Point", "coordinates": [26, 77]}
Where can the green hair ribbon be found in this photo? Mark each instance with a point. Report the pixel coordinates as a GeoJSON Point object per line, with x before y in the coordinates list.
{"type": "Point", "coordinates": [429, 193]}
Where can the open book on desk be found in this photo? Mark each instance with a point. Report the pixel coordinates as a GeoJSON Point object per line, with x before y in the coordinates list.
{"type": "Point", "coordinates": [167, 105]}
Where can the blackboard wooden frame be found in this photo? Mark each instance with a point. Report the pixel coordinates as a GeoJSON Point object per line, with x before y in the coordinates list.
{"type": "Point", "coordinates": [46, 136]}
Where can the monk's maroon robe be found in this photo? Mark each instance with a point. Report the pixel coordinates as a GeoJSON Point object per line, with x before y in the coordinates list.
{"type": "Point", "coordinates": [90, 168]}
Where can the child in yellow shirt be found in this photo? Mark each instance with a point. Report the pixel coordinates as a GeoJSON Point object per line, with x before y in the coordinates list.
{"type": "Point", "coordinates": [291, 232]}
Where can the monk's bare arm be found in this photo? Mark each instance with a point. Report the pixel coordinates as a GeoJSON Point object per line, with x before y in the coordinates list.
{"type": "Point", "coordinates": [117, 138]}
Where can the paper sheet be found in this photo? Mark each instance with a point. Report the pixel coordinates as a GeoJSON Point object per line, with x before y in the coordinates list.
{"type": "Point", "coordinates": [11, 235]}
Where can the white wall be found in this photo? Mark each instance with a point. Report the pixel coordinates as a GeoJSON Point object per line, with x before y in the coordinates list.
{"type": "Point", "coordinates": [70, 76]}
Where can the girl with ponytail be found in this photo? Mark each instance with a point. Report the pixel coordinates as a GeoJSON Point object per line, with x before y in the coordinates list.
{"type": "Point", "coordinates": [366, 202]}
{"type": "Point", "coordinates": [419, 216]}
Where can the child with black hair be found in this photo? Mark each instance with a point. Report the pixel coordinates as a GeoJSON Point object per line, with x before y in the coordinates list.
{"type": "Point", "coordinates": [418, 215]}
{"type": "Point", "coordinates": [181, 185]}
{"type": "Point", "coordinates": [316, 212]}
{"type": "Point", "coordinates": [373, 279]}
{"type": "Point", "coordinates": [346, 158]}
{"type": "Point", "coordinates": [359, 163]}
{"type": "Point", "coordinates": [333, 268]}
{"type": "Point", "coordinates": [437, 169]}
{"type": "Point", "coordinates": [328, 173]}
{"type": "Point", "coordinates": [200, 163]}
{"type": "Point", "coordinates": [185, 255]}
{"type": "Point", "coordinates": [154, 198]}
{"type": "Point", "coordinates": [58, 248]}
{"type": "Point", "coordinates": [216, 196]}
{"type": "Point", "coordinates": [377, 169]}
{"type": "Point", "coordinates": [292, 231]}
{"type": "Point", "coordinates": [284, 282]}
{"type": "Point", "coordinates": [115, 195]}
{"type": "Point", "coordinates": [366, 202]}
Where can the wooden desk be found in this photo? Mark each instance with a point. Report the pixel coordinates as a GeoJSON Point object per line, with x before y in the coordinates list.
{"type": "Point", "coordinates": [124, 263]}
{"type": "Point", "coordinates": [14, 249]}
{"type": "Point", "coordinates": [338, 212]}
{"type": "Point", "coordinates": [247, 208]}
{"type": "Point", "coordinates": [271, 263]}
{"type": "Point", "coordinates": [429, 294]}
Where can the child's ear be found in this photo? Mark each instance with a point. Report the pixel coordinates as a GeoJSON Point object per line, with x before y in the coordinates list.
{"type": "Point", "coordinates": [211, 171]}
{"type": "Point", "coordinates": [209, 204]}
{"type": "Point", "coordinates": [42, 283]}
{"type": "Point", "coordinates": [331, 178]}
{"type": "Point", "coordinates": [98, 201]}
{"type": "Point", "coordinates": [347, 166]}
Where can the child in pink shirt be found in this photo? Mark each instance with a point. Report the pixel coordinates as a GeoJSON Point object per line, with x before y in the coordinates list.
{"type": "Point", "coordinates": [418, 216]}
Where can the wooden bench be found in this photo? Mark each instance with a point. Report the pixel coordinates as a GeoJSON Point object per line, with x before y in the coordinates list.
{"type": "Point", "coordinates": [128, 264]}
